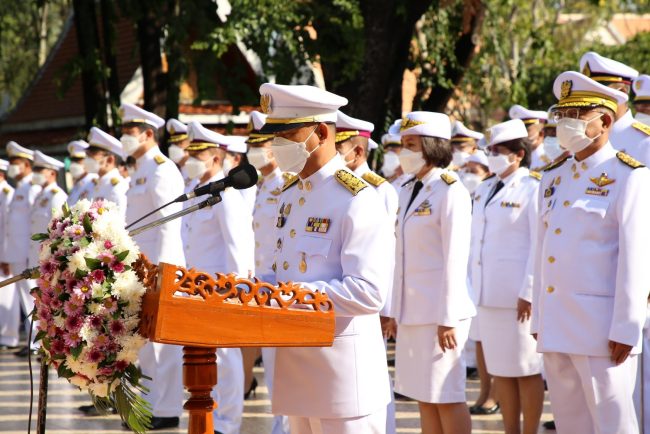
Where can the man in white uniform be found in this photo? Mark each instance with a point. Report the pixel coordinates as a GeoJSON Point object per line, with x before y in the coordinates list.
{"type": "Point", "coordinates": [82, 180]}
{"type": "Point", "coordinates": [464, 144]}
{"type": "Point", "coordinates": [9, 302]}
{"type": "Point", "coordinates": [219, 239]}
{"type": "Point", "coordinates": [19, 237]}
{"type": "Point", "coordinates": [330, 240]}
{"type": "Point", "coordinates": [591, 279]}
{"type": "Point", "coordinates": [641, 86]}
{"type": "Point", "coordinates": [627, 134]}
{"type": "Point", "coordinates": [178, 142]}
{"type": "Point", "coordinates": [236, 156]}
{"type": "Point", "coordinates": [535, 121]}
{"type": "Point", "coordinates": [104, 154]}
{"type": "Point", "coordinates": [155, 181]}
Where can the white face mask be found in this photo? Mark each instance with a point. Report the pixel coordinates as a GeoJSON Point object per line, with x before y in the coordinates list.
{"type": "Point", "coordinates": [176, 153]}
{"type": "Point", "coordinates": [227, 166]}
{"type": "Point", "coordinates": [38, 179]}
{"type": "Point", "coordinates": [291, 156]}
{"type": "Point", "coordinates": [91, 165]}
{"type": "Point", "coordinates": [195, 168]}
{"type": "Point", "coordinates": [411, 162]}
{"type": "Point", "coordinates": [390, 164]}
{"type": "Point", "coordinates": [552, 148]}
{"type": "Point", "coordinates": [572, 134]}
{"type": "Point", "coordinates": [14, 170]}
{"type": "Point", "coordinates": [642, 117]}
{"type": "Point", "coordinates": [498, 163]}
{"type": "Point", "coordinates": [77, 170]}
{"type": "Point", "coordinates": [130, 170]}
{"type": "Point", "coordinates": [459, 158]}
{"type": "Point", "coordinates": [345, 160]}
{"type": "Point", "coordinates": [470, 180]}
{"type": "Point", "coordinates": [130, 144]}
{"type": "Point", "coordinates": [259, 157]}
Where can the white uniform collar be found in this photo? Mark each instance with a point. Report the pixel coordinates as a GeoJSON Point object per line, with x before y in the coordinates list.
{"type": "Point", "coordinates": [111, 173]}
{"type": "Point", "coordinates": [149, 154]}
{"type": "Point", "coordinates": [50, 187]}
{"type": "Point", "coordinates": [433, 174]}
{"type": "Point", "coordinates": [324, 173]}
{"type": "Point", "coordinates": [603, 154]}
{"type": "Point", "coordinates": [623, 122]}
{"type": "Point", "coordinates": [26, 180]}
{"type": "Point", "coordinates": [363, 169]}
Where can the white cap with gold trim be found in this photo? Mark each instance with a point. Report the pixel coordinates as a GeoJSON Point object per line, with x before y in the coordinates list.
{"type": "Point", "coordinates": [14, 150]}
{"type": "Point", "coordinates": [573, 89]}
{"type": "Point", "coordinates": [47, 162]}
{"type": "Point", "coordinates": [461, 133]}
{"type": "Point", "coordinates": [347, 127]}
{"type": "Point", "coordinates": [506, 131]}
{"type": "Point", "coordinates": [529, 117]}
{"type": "Point", "coordinates": [77, 148]}
{"type": "Point", "coordinates": [641, 88]}
{"type": "Point", "coordinates": [101, 139]}
{"type": "Point", "coordinates": [177, 130]}
{"type": "Point", "coordinates": [132, 114]}
{"type": "Point", "coordinates": [256, 123]}
{"type": "Point", "coordinates": [426, 124]}
{"type": "Point", "coordinates": [606, 71]}
{"type": "Point", "coordinates": [202, 138]}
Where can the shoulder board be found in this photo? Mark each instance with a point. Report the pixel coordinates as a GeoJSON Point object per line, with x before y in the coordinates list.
{"type": "Point", "coordinates": [556, 164]}
{"type": "Point", "coordinates": [115, 181]}
{"type": "Point", "coordinates": [6, 190]}
{"type": "Point", "coordinates": [55, 191]}
{"type": "Point", "coordinates": [349, 181]}
{"type": "Point", "coordinates": [447, 178]}
{"type": "Point", "coordinates": [535, 174]}
{"type": "Point", "coordinates": [373, 179]}
{"type": "Point", "coordinates": [629, 161]}
{"type": "Point", "coordinates": [289, 182]}
{"type": "Point", "coordinates": [159, 159]}
{"type": "Point", "coordinates": [286, 176]}
{"type": "Point", "coordinates": [409, 181]}
{"type": "Point", "coordinates": [642, 127]}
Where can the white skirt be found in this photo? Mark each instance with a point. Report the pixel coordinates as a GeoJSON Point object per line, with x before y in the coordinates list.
{"type": "Point", "coordinates": [423, 372]}
{"type": "Point", "coordinates": [474, 329]}
{"type": "Point", "coordinates": [509, 349]}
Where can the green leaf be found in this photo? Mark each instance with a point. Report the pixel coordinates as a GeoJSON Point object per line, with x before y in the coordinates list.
{"type": "Point", "coordinates": [88, 227]}
{"type": "Point", "coordinates": [64, 371]}
{"type": "Point", "coordinates": [93, 263]}
{"type": "Point", "coordinates": [84, 242]}
{"type": "Point", "coordinates": [40, 237]}
{"type": "Point", "coordinates": [122, 256]}
{"type": "Point", "coordinates": [40, 335]}
{"type": "Point", "coordinates": [66, 210]}
{"type": "Point", "coordinates": [79, 274]}
{"type": "Point", "coordinates": [76, 351]}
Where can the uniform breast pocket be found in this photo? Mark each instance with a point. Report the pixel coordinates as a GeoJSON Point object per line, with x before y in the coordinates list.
{"type": "Point", "coordinates": [592, 206]}
{"type": "Point", "coordinates": [314, 246]}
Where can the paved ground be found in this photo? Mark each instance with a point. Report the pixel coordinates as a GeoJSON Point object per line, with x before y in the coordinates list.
{"type": "Point", "coordinates": [63, 418]}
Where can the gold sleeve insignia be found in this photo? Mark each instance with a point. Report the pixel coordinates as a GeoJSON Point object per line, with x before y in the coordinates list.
{"type": "Point", "coordinates": [115, 181]}
{"type": "Point", "coordinates": [159, 159]}
{"type": "Point", "coordinates": [629, 161]}
{"type": "Point", "coordinates": [289, 182]}
{"type": "Point", "coordinates": [535, 174]}
{"type": "Point", "coordinates": [642, 127]}
{"type": "Point", "coordinates": [373, 179]}
{"type": "Point", "coordinates": [556, 164]}
{"type": "Point", "coordinates": [448, 178]}
{"type": "Point", "coordinates": [353, 184]}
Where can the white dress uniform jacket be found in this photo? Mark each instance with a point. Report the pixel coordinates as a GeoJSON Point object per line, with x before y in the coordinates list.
{"type": "Point", "coordinates": [9, 298]}
{"type": "Point", "coordinates": [19, 235]}
{"type": "Point", "coordinates": [264, 219]}
{"type": "Point", "coordinates": [539, 159]}
{"type": "Point", "coordinates": [503, 272]}
{"type": "Point", "coordinates": [598, 211]}
{"type": "Point", "coordinates": [6, 196]}
{"type": "Point", "coordinates": [111, 187]}
{"type": "Point", "coordinates": [398, 183]}
{"type": "Point", "coordinates": [82, 189]}
{"type": "Point", "coordinates": [249, 195]}
{"type": "Point", "coordinates": [50, 197]}
{"type": "Point", "coordinates": [433, 240]}
{"type": "Point", "coordinates": [632, 137]}
{"type": "Point", "coordinates": [386, 191]}
{"type": "Point", "coordinates": [329, 239]}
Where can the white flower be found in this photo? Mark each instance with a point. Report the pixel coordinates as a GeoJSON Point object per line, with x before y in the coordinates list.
{"type": "Point", "coordinates": [77, 262]}
{"type": "Point", "coordinates": [59, 322]}
{"type": "Point", "coordinates": [131, 345]}
{"type": "Point", "coordinates": [80, 382]}
{"type": "Point", "coordinates": [81, 207]}
{"type": "Point", "coordinates": [128, 288]}
{"type": "Point", "coordinates": [97, 290]}
{"type": "Point", "coordinates": [45, 253]}
{"type": "Point", "coordinates": [87, 332]}
{"type": "Point", "coordinates": [99, 389]}
{"type": "Point", "coordinates": [96, 308]}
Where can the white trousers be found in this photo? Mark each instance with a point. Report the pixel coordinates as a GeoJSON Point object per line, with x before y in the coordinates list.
{"type": "Point", "coordinates": [9, 315]}
{"type": "Point", "coordinates": [591, 395]}
{"type": "Point", "coordinates": [280, 422]}
{"type": "Point", "coordinates": [374, 423]}
{"type": "Point", "coordinates": [229, 392]}
{"type": "Point", "coordinates": [23, 289]}
{"type": "Point", "coordinates": [391, 423]}
{"type": "Point", "coordinates": [164, 364]}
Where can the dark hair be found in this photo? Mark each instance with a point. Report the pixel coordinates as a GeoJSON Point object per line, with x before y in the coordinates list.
{"type": "Point", "coordinates": [436, 151]}
{"type": "Point", "coordinates": [517, 145]}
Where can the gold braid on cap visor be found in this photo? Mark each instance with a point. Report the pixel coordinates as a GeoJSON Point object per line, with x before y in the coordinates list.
{"type": "Point", "coordinates": [409, 123]}
{"type": "Point", "coordinates": [174, 138]}
{"type": "Point", "coordinates": [587, 99]}
{"type": "Point", "coordinates": [201, 146]}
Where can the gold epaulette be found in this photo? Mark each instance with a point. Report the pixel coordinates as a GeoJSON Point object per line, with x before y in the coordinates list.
{"type": "Point", "coordinates": [535, 174]}
{"type": "Point", "coordinates": [628, 161]}
{"type": "Point", "coordinates": [159, 159]}
{"type": "Point", "coordinates": [115, 181]}
{"type": "Point", "coordinates": [373, 179]}
{"type": "Point", "coordinates": [6, 190]}
{"type": "Point", "coordinates": [642, 127]}
{"type": "Point", "coordinates": [353, 184]}
{"type": "Point", "coordinates": [286, 176]}
{"type": "Point", "coordinates": [447, 178]}
{"type": "Point", "coordinates": [55, 190]}
{"type": "Point", "coordinates": [556, 164]}
{"type": "Point", "coordinates": [290, 182]}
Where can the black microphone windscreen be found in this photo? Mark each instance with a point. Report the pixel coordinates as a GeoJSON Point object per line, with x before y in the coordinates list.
{"type": "Point", "coordinates": [242, 177]}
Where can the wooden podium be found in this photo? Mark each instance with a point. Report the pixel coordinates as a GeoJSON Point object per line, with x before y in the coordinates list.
{"type": "Point", "coordinates": [203, 312]}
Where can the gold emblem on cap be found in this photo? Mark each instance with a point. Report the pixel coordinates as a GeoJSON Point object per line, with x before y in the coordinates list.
{"type": "Point", "coordinates": [265, 103]}
{"type": "Point", "coordinates": [408, 123]}
{"type": "Point", "coordinates": [120, 112]}
{"type": "Point", "coordinates": [488, 135]}
{"type": "Point", "coordinates": [566, 89]}
{"type": "Point", "coordinates": [637, 85]}
{"type": "Point", "coordinates": [172, 130]}
{"type": "Point", "coordinates": [586, 70]}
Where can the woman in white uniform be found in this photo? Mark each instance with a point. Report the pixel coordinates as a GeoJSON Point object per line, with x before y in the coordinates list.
{"type": "Point", "coordinates": [430, 297]}
{"type": "Point", "coordinates": [503, 233]}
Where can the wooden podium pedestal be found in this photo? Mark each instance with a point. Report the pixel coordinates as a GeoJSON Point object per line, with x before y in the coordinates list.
{"type": "Point", "coordinates": [203, 312]}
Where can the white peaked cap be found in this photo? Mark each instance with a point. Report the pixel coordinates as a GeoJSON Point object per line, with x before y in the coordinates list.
{"type": "Point", "coordinates": [42, 160]}
{"type": "Point", "coordinates": [131, 113]}
{"type": "Point", "coordinates": [236, 144]}
{"type": "Point", "coordinates": [641, 88]}
{"type": "Point", "coordinates": [426, 124]}
{"type": "Point", "coordinates": [14, 150]}
{"type": "Point", "coordinates": [573, 89]}
{"type": "Point", "coordinates": [506, 131]}
{"type": "Point", "coordinates": [345, 122]}
{"type": "Point", "coordinates": [605, 70]}
{"type": "Point", "coordinates": [461, 130]}
{"type": "Point", "coordinates": [101, 139]}
{"type": "Point", "coordinates": [258, 119]}
{"type": "Point", "coordinates": [528, 116]}
{"type": "Point", "coordinates": [202, 138]}
{"type": "Point", "coordinates": [174, 127]}
{"type": "Point", "coordinates": [77, 148]}
{"type": "Point", "coordinates": [4, 165]}
{"type": "Point", "coordinates": [478, 157]}
{"type": "Point", "coordinates": [290, 106]}
{"type": "Point", "coordinates": [394, 128]}
{"type": "Point", "coordinates": [391, 138]}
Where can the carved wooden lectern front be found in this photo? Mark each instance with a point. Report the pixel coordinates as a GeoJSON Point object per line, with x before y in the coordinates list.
{"type": "Point", "coordinates": [203, 312]}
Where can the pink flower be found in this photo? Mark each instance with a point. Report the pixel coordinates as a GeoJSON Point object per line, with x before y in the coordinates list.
{"type": "Point", "coordinates": [56, 304]}
{"type": "Point", "coordinates": [74, 306]}
{"type": "Point", "coordinates": [47, 269]}
{"type": "Point", "coordinates": [95, 356]}
{"type": "Point", "coordinates": [110, 304]}
{"type": "Point", "coordinates": [57, 346]}
{"type": "Point", "coordinates": [72, 339]}
{"type": "Point", "coordinates": [106, 370]}
{"type": "Point", "coordinates": [98, 276]}
{"type": "Point", "coordinates": [121, 365]}
{"type": "Point", "coordinates": [101, 341]}
{"type": "Point", "coordinates": [46, 298]}
{"type": "Point", "coordinates": [96, 322]}
{"type": "Point", "coordinates": [117, 267]}
{"type": "Point", "coordinates": [106, 257]}
{"type": "Point", "coordinates": [117, 328]}
{"type": "Point", "coordinates": [73, 323]}
{"type": "Point", "coordinates": [44, 314]}
{"type": "Point", "coordinates": [52, 330]}
{"type": "Point", "coordinates": [75, 232]}
{"type": "Point", "coordinates": [108, 245]}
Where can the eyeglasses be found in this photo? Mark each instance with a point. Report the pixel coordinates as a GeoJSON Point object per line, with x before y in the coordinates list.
{"type": "Point", "coordinates": [572, 113]}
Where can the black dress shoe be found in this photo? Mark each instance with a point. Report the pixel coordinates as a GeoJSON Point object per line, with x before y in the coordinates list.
{"type": "Point", "coordinates": [217, 432]}
{"type": "Point", "coordinates": [164, 422]}
{"type": "Point", "coordinates": [549, 425]}
{"type": "Point", "coordinates": [480, 410]}
{"type": "Point", "coordinates": [251, 389]}
{"type": "Point", "coordinates": [25, 351]}
{"type": "Point", "coordinates": [91, 410]}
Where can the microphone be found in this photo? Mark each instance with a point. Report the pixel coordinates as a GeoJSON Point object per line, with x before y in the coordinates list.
{"type": "Point", "coordinates": [241, 177]}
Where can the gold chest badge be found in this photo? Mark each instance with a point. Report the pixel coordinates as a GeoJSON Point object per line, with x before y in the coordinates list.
{"type": "Point", "coordinates": [423, 209]}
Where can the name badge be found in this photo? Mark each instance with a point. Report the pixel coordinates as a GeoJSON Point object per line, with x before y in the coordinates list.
{"type": "Point", "coordinates": [510, 205]}
{"type": "Point", "coordinates": [271, 200]}
{"type": "Point", "coordinates": [597, 191]}
{"type": "Point", "coordinates": [317, 224]}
